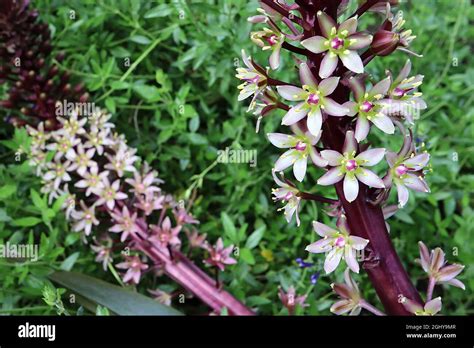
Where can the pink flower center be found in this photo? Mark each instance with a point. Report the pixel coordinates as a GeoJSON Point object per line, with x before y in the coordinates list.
{"type": "Point", "coordinates": [254, 80]}
{"type": "Point", "coordinates": [288, 196]}
{"type": "Point", "coordinates": [337, 43]}
{"type": "Point", "coordinates": [398, 92]}
{"type": "Point", "coordinates": [272, 40]}
{"type": "Point", "coordinates": [312, 99]}
{"type": "Point", "coordinates": [340, 242]}
{"type": "Point", "coordinates": [366, 106]}
{"type": "Point", "coordinates": [401, 170]}
{"type": "Point", "coordinates": [351, 165]}
{"type": "Point", "coordinates": [300, 146]}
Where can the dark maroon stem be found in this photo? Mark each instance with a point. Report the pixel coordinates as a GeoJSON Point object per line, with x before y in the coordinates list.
{"type": "Point", "coordinates": [294, 49]}
{"type": "Point", "coordinates": [382, 263]}
{"type": "Point", "coordinates": [310, 197]}
{"type": "Point", "coordinates": [365, 7]}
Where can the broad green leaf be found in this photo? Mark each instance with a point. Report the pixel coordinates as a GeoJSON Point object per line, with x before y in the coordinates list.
{"type": "Point", "coordinates": [68, 264]}
{"type": "Point", "coordinates": [7, 190]}
{"type": "Point", "coordinates": [255, 237]}
{"type": "Point", "coordinates": [246, 256]}
{"type": "Point", "coordinates": [26, 221]}
{"type": "Point", "coordinates": [229, 227]}
{"type": "Point", "coordinates": [119, 300]}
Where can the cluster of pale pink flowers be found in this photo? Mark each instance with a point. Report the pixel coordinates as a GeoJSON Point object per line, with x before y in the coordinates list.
{"type": "Point", "coordinates": [107, 189]}
{"type": "Point", "coordinates": [382, 108]}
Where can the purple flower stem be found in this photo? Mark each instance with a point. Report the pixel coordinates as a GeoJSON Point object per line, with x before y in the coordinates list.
{"type": "Point", "coordinates": [191, 277]}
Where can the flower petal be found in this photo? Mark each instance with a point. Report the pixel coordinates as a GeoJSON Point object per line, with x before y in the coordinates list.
{"type": "Point", "coordinates": [299, 168]}
{"type": "Point", "coordinates": [334, 109]}
{"type": "Point", "coordinates": [457, 283]}
{"type": "Point", "coordinates": [314, 121]}
{"type": "Point", "coordinates": [291, 93]}
{"type": "Point", "coordinates": [437, 259]}
{"type": "Point", "coordinates": [286, 160]}
{"type": "Point", "coordinates": [402, 194]}
{"type": "Point", "coordinates": [315, 44]}
{"type": "Point", "coordinates": [418, 162]}
{"type": "Point", "coordinates": [320, 246]}
{"type": "Point", "coordinates": [295, 114]}
{"type": "Point", "coordinates": [281, 140]}
{"type": "Point", "coordinates": [371, 157]}
{"type": "Point", "coordinates": [358, 243]}
{"type": "Point", "coordinates": [327, 86]}
{"type": "Point", "coordinates": [350, 259]}
{"type": "Point", "coordinates": [359, 40]}
{"type": "Point", "coordinates": [352, 106]}
{"type": "Point", "coordinates": [316, 158]}
{"type": "Point", "coordinates": [362, 128]}
{"type": "Point", "coordinates": [434, 306]}
{"type": "Point", "coordinates": [381, 88]}
{"type": "Point", "coordinates": [424, 256]}
{"type": "Point", "coordinates": [350, 144]}
{"type": "Point", "coordinates": [351, 188]}
{"type": "Point", "coordinates": [384, 123]}
{"type": "Point", "coordinates": [415, 183]}
{"type": "Point", "coordinates": [352, 61]}
{"type": "Point", "coordinates": [324, 230]}
{"type": "Point", "coordinates": [331, 177]}
{"type": "Point", "coordinates": [403, 73]}
{"type": "Point", "coordinates": [333, 157]}
{"type": "Point", "coordinates": [449, 272]}
{"type": "Point", "coordinates": [307, 77]}
{"type": "Point", "coordinates": [275, 58]}
{"type": "Point", "coordinates": [328, 65]}
{"type": "Point", "coordinates": [350, 25]}
{"type": "Point", "coordinates": [342, 307]}
{"type": "Point", "coordinates": [357, 85]}
{"type": "Point", "coordinates": [369, 178]}
{"type": "Point", "coordinates": [332, 260]}
{"type": "Point", "coordinates": [326, 23]}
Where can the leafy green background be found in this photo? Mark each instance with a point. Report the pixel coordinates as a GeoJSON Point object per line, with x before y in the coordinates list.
{"type": "Point", "coordinates": [178, 106]}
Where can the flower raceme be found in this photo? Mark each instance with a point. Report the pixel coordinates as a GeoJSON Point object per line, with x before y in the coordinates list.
{"type": "Point", "coordinates": [331, 113]}
{"type": "Point", "coordinates": [97, 176]}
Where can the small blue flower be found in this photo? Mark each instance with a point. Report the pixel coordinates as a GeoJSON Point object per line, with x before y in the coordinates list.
{"type": "Point", "coordinates": [303, 264]}
{"type": "Point", "coordinates": [314, 278]}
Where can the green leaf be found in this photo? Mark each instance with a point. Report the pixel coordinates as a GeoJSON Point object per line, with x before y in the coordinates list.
{"type": "Point", "coordinates": [255, 237]}
{"type": "Point", "coordinates": [7, 190]}
{"type": "Point", "coordinates": [37, 200]}
{"type": "Point", "coordinates": [162, 10]}
{"type": "Point", "coordinates": [140, 39]}
{"type": "Point", "coordinates": [68, 264]}
{"type": "Point", "coordinates": [150, 93]}
{"type": "Point", "coordinates": [246, 256]}
{"type": "Point", "coordinates": [115, 298]}
{"type": "Point", "coordinates": [229, 228]}
{"type": "Point", "coordinates": [26, 221]}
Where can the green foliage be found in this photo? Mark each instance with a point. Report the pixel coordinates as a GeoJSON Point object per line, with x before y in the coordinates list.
{"type": "Point", "coordinates": [166, 71]}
